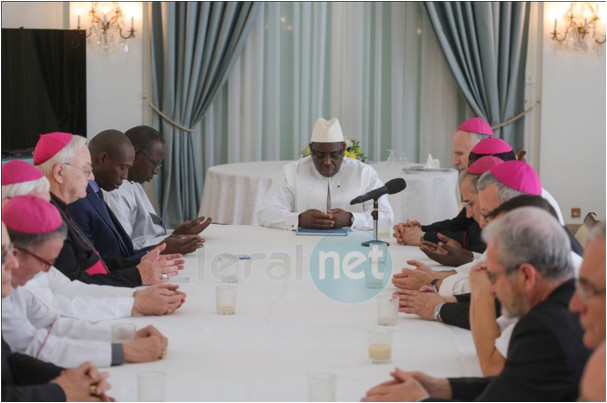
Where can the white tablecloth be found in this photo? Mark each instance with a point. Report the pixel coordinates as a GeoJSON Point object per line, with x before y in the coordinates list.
{"type": "Point", "coordinates": [284, 328]}
{"type": "Point", "coordinates": [234, 192]}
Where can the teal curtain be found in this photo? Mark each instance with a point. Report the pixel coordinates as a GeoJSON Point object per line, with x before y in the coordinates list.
{"type": "Point", "coordinates": [485, 45]}
{"type": "Point", "coordinates": [194, 45]}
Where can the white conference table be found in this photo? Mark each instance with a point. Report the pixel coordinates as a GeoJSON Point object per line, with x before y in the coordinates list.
{"type": "Point", "coordinates": [234, 192]}
{"type": "Point", "coordinates": [284, 328]}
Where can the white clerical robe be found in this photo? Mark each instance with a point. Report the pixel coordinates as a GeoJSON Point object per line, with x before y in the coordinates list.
{"type": "Point", "coordinates": [300, 187]}
{"type": "Point", "coordinates": [32, 328]}
{"type": "Point", "coordinates": [136, 214]}
{"type": "Point", "coordinates": [79, 300]}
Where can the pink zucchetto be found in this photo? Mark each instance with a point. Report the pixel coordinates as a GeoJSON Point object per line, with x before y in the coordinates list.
{"type": "Point", "coordinates": [49, 145]}
{"type": "Point", "coordinates": [18, 171]}
{"type": "Point", "coordinates": [492, 145]}
{"type": "Point", "coordinates": [30, 214]}
{"type": "Point", "coordinates": [483, 164]}
{"type": "Point", "coordinates": [519, 176]}
{"type": "Point", "coordinates": [476, 125]}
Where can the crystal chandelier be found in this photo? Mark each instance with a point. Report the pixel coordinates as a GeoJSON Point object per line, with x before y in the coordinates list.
{"type": "Point", "coordinates": [580, 28]}
{"type": "Point", "coordinates": [107, 27]}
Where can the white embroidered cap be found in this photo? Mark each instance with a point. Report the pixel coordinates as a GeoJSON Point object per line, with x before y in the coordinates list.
{"type": "Point", "coordinates": [327, 131]}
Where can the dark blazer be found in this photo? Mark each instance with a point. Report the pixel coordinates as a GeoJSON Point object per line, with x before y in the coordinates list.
{"type": "Point", "coordinates": [97, 221]}
{"type": "Point", "coordinates": [464, 230]}
{"type": "Point", "coordinates": [546, 357]}
{"type": "Point", "coordinates": [75, 257]}
{"type": "Point", "coordinates": [25, 379]}
{"type": "Point", "coordinates": [458, 313]}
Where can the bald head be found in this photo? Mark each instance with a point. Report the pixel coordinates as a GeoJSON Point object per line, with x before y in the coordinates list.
{"type": "Point", "coordinates": [112, 155]}
{"type": "Point", "coordinates": [109, 141]}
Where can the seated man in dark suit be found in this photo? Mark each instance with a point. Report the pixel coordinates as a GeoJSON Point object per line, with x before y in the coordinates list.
{"type": "Point", "coordinates": [28, 379]}
{"type": "Point", "coordinates": [112, 155]}
{"type": "Point", "coordinates": [530, 272]}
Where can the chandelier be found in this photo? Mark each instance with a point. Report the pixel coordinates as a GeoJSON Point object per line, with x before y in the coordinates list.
{"type": "Point", "coordinates": [580, 28]}
{"type": "Point", "coordinates": [107, 28]}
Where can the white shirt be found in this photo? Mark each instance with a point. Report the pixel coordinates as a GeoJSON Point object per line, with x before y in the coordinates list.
{"type": "Point", "coordinates": [554, 205]}
{"type": "Point", "coordinates": [506, 326]}
{"type": "Point", "coordinates": [32, 328]}
{"type": "Point", "coordinates": [300, 187]}
{"type": "Point", "coordinates": [458, 283]}
{"type": "Point", "coordinates": [79, 300]}
{"type": "Point", "coordinates": [136, 214]}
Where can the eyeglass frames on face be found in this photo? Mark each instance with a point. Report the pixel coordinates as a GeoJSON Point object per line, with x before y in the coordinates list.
{"type": "Point", "coordinates": [156, 165]}
{"type": "Point", "coordinates": [587, 290]}
{"type": "Point", "coordinates": [47, 263]}
{"type": "Point", "coordinates": [494, 276]}
{"type": "Point", "coordinates": [86, 171]}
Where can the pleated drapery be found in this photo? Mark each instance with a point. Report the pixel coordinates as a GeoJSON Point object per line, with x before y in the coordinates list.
{"type": "Point", "coordinates": [485, 45]}
{"type": "Point", "coordinates": [194, 45]}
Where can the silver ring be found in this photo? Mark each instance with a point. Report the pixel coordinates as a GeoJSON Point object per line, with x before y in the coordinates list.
{"type": "Point", "coordinates": [164, 276]}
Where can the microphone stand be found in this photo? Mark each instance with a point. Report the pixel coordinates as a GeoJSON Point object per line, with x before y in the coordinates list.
{"type": "Point", "coordinates": [375, 215]}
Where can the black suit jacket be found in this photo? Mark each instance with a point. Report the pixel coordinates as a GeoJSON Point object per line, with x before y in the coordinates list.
{"type": "Point", "coordinates": [545, 360]}
{"type": "Point", "coordinates": [25, 379]}
{"type": "Point", "coordinates": [75, 257]}
{"type": "Point", "coordinates": [464, 230]}
{"type": "Point", "coordinates": [91, 214]}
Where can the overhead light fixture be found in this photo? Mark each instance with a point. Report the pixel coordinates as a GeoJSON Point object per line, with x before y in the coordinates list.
{"type": "Point", "coordinates": [581, 27]}
{"type": "Point", "coordinates": [107, 28]}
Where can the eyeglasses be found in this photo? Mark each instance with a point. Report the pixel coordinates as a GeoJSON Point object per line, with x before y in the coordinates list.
{"type": "Point", "coordinates": [47, 263]}
{"type": "Point", "coordinates": [7, 251]}
{"type": "Point", "coordinates": [87, 171]}
{"type": "Point", "coordinates": [157, 165]}
{"type": "Point", "coordinates": [335, 155]}
{"type": "Point", "coordinates": [466, 204]}
{"type": "Point", "coordinates": [587, 290]}
{"type": "Point", "coordinates": [494, 276]}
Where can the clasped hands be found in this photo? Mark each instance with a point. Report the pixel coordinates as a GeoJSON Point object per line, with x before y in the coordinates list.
{"type": "Point", "coordinates": [334, 218]}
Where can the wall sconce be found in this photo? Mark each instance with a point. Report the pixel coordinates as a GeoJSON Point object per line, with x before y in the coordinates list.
{"type": "Point", "coordinates": [107, 26]}
{"type": "Point", "coordinates": [581, 28]}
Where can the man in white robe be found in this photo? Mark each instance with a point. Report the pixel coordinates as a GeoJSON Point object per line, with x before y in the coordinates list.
{"type": "Point", "coordinates": [315, 191]}
{"type": "Point", "coordinates": [33, 328]}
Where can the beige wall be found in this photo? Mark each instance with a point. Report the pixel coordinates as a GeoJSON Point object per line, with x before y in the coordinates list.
{"type": "Point", "coordinates": [572, 139]}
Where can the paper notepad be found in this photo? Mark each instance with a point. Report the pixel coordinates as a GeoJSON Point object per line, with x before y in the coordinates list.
{"type": "Point", "coordinates": [323, 232]}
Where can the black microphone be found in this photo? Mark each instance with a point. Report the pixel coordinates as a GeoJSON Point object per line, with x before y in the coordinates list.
{"type": "Point", "coordinates": [391, 187]}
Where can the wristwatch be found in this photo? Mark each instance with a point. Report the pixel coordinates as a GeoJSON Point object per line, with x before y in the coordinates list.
{"type": "Point", "coordinates": [436, 312]}
{"type": "Point", "coordinates": [433, 284]}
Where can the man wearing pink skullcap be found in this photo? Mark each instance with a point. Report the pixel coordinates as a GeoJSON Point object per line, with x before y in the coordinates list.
{"type": "Point", "coordinates": [20, 177]}
{"type": "Point", "coordinates": [38, 232]}
{"type": "Point", "coordinates": [520, 178]}
{"type": "Point", "coordinates": [75, 298]}
{"type": "Point", "coordinates": [468, 134]}
{"type": "Point", "coordinates": [508, 180]}
{"type": "Point", "coordinates": [494, 147]}
{"type": "Point", "coordinates": [50, 383]}
{"type": "Point", "coordinates": [66, 162]}
{"type": "Point", "coordinates": [451, 253]}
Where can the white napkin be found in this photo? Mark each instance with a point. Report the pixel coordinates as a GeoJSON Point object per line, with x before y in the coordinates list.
{"type": "Point", "coordinates": [432, 163]}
